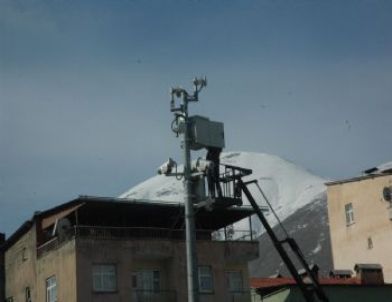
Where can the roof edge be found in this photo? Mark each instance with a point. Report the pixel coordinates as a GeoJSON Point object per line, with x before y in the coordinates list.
{"type": "Point", "coordinates": [358, 178]}
{"type": "Point", "coordinates": [23, 229]}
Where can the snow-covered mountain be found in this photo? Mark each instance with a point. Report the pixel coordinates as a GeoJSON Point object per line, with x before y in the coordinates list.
{"type": "Point", "coordinates": [287, 186]}
{"type": "Point", "coordinates": [298, 197]}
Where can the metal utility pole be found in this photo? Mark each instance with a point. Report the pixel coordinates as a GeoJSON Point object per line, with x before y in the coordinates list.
{"type": "Point", "coordinates": [192, 272]}
{"type": "Point", "coordinates": [183, 127]}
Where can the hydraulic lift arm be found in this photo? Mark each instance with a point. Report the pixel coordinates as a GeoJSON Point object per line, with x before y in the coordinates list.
{"type": "Point", "coordinates": [308, 290]}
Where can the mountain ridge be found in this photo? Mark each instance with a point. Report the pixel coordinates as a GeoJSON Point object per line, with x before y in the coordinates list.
{"type": "Point", "coordinates": [297, 196]}
{"type": "Point", "coordinates": [287, 186]}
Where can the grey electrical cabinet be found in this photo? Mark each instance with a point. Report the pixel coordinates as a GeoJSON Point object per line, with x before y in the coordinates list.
{"type": "Point", "coordinates": [205, 133]}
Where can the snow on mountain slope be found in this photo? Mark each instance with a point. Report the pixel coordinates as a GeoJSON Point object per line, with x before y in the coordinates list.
{"type": "Point", "coordinates": [287, 186]}
{"type": "Point", "coordinates": [309, 227]}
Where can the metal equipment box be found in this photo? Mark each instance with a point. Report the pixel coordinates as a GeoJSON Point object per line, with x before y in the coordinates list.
{"type": "Point", "coordinates": [205, 133]}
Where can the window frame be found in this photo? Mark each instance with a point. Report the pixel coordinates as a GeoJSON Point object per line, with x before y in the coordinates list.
{"type": "Point", "coordinates": [138, 275]}
{"type": "Point", "coordinates": [370, 243]}
{"type": "Point", "coordinates": [349, 213]}
{"type": "Point", "coordinates": [51, 289]}
{"type": "Point", "coordinates": [98, 272]}
{"type": "Point", "coordinates": [229, 283]}
{"type": "Point", "coordinates": [27, 294]}
{"type": "Point", "coordinates": [210, 275]}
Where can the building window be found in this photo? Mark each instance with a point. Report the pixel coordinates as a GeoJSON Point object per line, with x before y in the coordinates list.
{"type": "Point", "coordinates": [146, 280]}
{"type": "Point", "coordinates": [206, 282]}
{"type": "Point", "coordinates": [27, 294]}
{"type": "Point", "coordinates": [24, 254]}
{"type": "Point", "coordinates": [349, 213]}
{"type": "Point", "coordinates": [234, 281]}
{"type": "Point", "coordinates": [104, 278]}
{"type": "Point", "coordinates": [370, 243]}
{"type": "Point", "coordinates": [51, 289]}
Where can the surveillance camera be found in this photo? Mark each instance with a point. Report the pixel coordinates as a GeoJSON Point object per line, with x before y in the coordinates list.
{"type": "Point", "coordinates": [167, 167]}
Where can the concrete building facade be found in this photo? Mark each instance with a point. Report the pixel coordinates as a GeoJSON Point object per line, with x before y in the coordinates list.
{"type": "Point", "coordinates": [104, 249]}
{"type": "Point", "coordinates": [360, 222]}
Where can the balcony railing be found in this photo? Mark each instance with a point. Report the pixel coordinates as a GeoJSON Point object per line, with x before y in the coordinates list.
{"type": "Point", "coordinates": [233, 235]}
{"type": "Point", "coordinates": [120, 233]}
{"type": "Point", "coordinates": [154, 296]}
{"type": "Point", "coordinates": [98, 232]}
{"type": "Point", "coordinates": [48, 246]}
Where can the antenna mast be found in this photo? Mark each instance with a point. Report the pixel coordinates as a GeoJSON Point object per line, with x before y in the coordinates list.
{"type": "Point", "coordinates": [183, 128]}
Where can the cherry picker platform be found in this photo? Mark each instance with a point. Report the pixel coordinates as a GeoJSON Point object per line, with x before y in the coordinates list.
{"type": "Point", "coordinates": [233, 187]}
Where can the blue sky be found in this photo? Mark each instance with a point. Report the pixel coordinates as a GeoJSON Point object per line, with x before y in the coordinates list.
{"type": "Point", "coordinates": [84, 104]}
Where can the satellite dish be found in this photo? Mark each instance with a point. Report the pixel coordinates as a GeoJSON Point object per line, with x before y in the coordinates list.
{"type": "Point", "coordinates": [61, 226]}
{"type": "Point", "coordinates": [387, 193]}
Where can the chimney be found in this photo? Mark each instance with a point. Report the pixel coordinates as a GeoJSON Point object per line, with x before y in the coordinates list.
{"type": "Point", "coordinates": [370, 274]}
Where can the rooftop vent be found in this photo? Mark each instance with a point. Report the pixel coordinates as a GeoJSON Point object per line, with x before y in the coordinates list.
{"type": "Point", "coordinates": [369, 273]}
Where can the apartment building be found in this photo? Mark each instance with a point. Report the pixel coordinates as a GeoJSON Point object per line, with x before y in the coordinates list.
{"type": "Point", "coordinates": [109, 249]}
{"type": "Point", "coordinates": [360, 220]}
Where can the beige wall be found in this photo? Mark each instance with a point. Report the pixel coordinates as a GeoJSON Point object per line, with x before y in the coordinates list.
{"type": "Point", "coordinates": [371, 216]}
{"type": "Point", "coordinates": [23, 270]}
{"type": "Point", "coordinates": [62, 264]}
{"type": "Point", "coordinates": [20, 267]}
